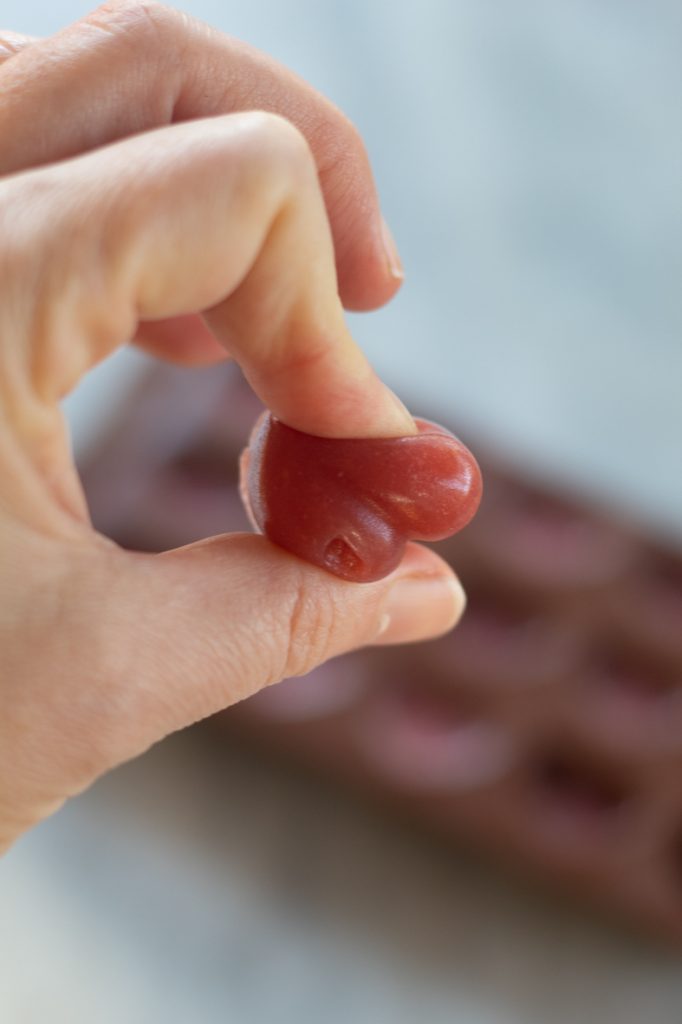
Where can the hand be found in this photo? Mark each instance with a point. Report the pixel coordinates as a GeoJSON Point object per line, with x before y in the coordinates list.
{"type": "Point", "coordinates": [141, 200]}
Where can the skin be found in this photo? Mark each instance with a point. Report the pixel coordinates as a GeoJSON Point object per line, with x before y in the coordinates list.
{"type": "Point", "coordinates": [165, 184]}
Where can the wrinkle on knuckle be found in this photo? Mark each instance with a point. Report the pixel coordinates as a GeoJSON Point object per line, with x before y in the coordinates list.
{"type": "Point", "coordinates": [11, 43]}
{"type": "Point", "coordinates": [140, 34]}
{"type": "Point", "coordinates": [143, 27]}
{"type": "Point", "coordinates": [310, 626]}
{"type": "Point", "coordinates": [139, 17]}
{"type": "Point", "coordinates": [154, 28]}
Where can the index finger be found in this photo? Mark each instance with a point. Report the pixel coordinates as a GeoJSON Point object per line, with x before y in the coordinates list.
{"type": "Point", "coordinates": [223, 217]}
{"type": "Point", "coordinates": [134, 66]}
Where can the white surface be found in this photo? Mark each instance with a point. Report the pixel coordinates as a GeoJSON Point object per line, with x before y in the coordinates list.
{"type": "Point", "coordinates": [198, 886]}
{"type": "Point", "coordinates": [528, 156]}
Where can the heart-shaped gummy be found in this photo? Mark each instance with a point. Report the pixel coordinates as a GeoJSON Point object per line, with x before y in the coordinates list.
{"type": "Point", "coordinates": [350, 505]}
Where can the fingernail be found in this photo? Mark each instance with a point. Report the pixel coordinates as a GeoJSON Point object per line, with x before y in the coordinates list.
{"type": "Point", "coordinates": [421, 607]}
{"type": "Point", "coordinates": [395, 267]}
{"type": "Point", "coordinates": [402, 424]}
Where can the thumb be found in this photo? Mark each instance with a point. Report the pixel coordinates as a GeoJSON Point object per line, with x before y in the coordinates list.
{"type": "Point", "coordinates": [121, 649]}
{"type": "Point", "coordinates": [207, 625]}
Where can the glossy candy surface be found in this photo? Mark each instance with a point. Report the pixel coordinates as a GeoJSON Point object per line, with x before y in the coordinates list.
{"type": "Point", "coordinates": [350, 505]}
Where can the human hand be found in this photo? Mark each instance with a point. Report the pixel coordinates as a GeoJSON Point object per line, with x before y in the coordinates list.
{"type": "Point", "coordinates": [141, 200]}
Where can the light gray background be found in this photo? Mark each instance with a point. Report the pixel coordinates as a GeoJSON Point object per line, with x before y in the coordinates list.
{"type": "Point", "coordinates": [528, 155]}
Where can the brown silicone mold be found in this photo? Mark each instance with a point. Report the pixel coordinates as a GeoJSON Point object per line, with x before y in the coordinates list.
{"type": "Point", "coordinates": [548, 727]}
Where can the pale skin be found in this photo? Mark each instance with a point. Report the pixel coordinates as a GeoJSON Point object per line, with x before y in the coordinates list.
{"type": "Point", "coordinates": [164, 184]}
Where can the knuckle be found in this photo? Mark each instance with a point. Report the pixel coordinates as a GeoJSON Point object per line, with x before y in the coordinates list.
{"type": "Point", "coordinates": [164, 38]}
{"type": "Point", "coordinates": [277, 142]}
{"type": "Point", "coordinates": [275, 164]}
{"type": "Point", "coordinates": [310, 631]}
{"type": "Point", "coordinates": [339, 141]}
{"type": "Point", "coordinates": [11, 43]}
{"type": "Point", "coordinates": [146, 22]}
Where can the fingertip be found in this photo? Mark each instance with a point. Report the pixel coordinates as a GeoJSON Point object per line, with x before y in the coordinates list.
{"type": "Point", "coordinates": [425, 599]}
{"type": "Point", "coordinates": [364, 296]}
{"type": "Point", "coordinates": [369, 275]}
{"type": "Point", "coordinates": [393, 262]}
{"type": "Point", "coordinates": [368, 264]}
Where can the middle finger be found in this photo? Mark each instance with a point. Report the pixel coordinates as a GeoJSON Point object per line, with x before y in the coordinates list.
{"type": "Point", "coordinates": [131, 67]}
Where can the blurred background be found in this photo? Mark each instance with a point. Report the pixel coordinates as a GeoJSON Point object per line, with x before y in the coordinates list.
{"type": "Point", "coordinates": [529, 160]}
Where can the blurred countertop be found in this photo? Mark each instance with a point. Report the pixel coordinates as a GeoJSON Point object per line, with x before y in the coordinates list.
{"type": "Point", "coordinates": [198, 884]}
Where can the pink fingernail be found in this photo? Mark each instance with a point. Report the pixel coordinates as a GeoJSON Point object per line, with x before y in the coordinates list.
{"type": "Point", "coordinates": [420, 607]}
{"type": "Point", "coordinates": [395, 267]}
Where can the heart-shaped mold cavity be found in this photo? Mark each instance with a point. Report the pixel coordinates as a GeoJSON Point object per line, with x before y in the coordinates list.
{"type": "Point", "coordinates": [422, 741]}
{"type": "Point", "coordinates": [548, 542]}
{"type": "Point", "coordinates": [503, 643]}
{"type": "Point", "coordinates": [652, 605]}
{"type": "Point", "coordinates": [325, 692]}
{"type": "Point", "coordinates": [577, 799]}
{"type": "Point", "coordinates": [629, 700]}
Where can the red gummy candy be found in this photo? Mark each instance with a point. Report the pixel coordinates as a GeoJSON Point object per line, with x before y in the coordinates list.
{"type": "Point", "coordinates": [350, 505]}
